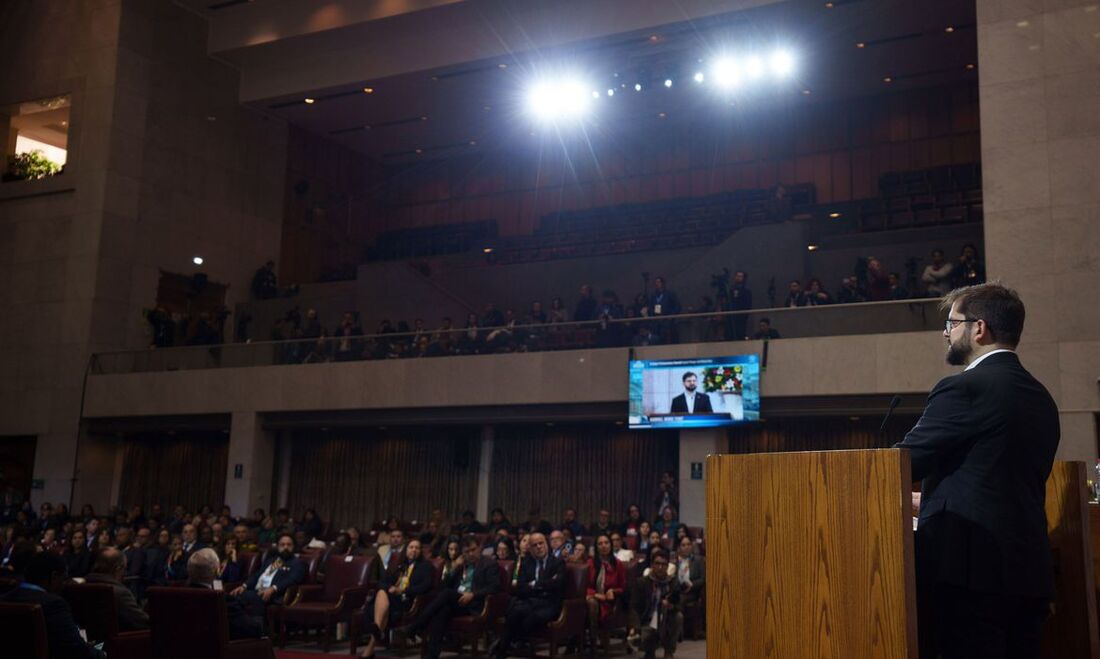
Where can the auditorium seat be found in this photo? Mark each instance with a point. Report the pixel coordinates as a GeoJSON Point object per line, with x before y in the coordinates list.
{"type": "Point", "coordinates": [192, 622]}
{"type": "Point", "coordinates": [345, 589]}
{"type": "Point", "coordinates": [96, 612]}
{"type": "Point", "coordinates": [23, 630]}
{"type": "Point", "coordinates": [469, 630]}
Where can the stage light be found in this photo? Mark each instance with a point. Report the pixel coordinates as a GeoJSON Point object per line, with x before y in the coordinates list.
{"type": "Point", "coordinates": [610, 92]}
{"type": "Point", "coordinates": [637, 86]}
{"type": "Point", "coordinates": [668, 83]}
{"type": "Point", "coordinates": [812, 248]}
{"type": "Point", "coordinates": [595, 94]}
{"type": "Point", "coordinates": [754, 67]}
{"type": "Point", "coordinates": [698, 77]}
{"type": "Point", "coordinates": [310, 101]}
{"type": "Point", "coordinates": [782, 63]}
{"type": "Point", "coordinates": [834, 215]}
{"type": "Point", "coordinates": [726, 73]}
{"type": "Point", "coordinates": [197, 260]}
{"type": "Point", "coordinates": [560, 99]}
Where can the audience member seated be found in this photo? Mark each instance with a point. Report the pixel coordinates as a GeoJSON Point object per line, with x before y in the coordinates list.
{"type": "Point", "coordinates": [795, 296]}
{"type": "Point", "coordinates": [606, 586]}
{"type": "Point", "coordinates": [175, 565]}
{"type": "Point", "coordinates": [471, 579]}
{"type": "Point", "coordinates": [43, 574]}
{"type": "Point", "coordinates": [878, 281]}
{"type": "Point", "coordinates": [850, 292]}
{"type": "Point", "coordinates": [937, 275]}
{"type": "Point", "coordinates": [619, 548]}
{"type": "Point", "coordinates": [230, 569]}
{"type": "Point", "coordinates": [110, 569]}
{"type": "Point", "coordinates": [655, 601]}
{"type": "Point", "coordinates": [559, 546]}
{"type": "Point", "coordinates": [78, 560]}
{"type": "Point", "coordinates": [349, 344]}
{"type": "Point", "coordinates": [536, 595]}
{"type": "Point", "coordinates": [579, 553]}
{"type": "Point", "coordinates": [691, 571]}
{"type": "Point", "coordinates": [505, 549]}
{"type": "Point", "coordinates": [280, 572]}
{"type": "Point", "coordinates": [569, 522]}
{"type": "Point", "coordinates": [602, 524]}
{"type": "Point", "coordinates": [586, 306]}
{"type": "Point", "coordinates": [816, 295]}
{"type": "Point", "coordinates": [765, 331]}
{"type": "Point", "coordinates": [407, 578]}
{"type": "Point", "coordinates": [969, 269]}
{"type": "Point", "coordinates": [244, 537]}
{"type": "Point", "coordinates": [392, 551]}
{"type": "Point", "coordinates": [202, 570]}
{"type": "Point", "coordinates": [667, 525]}
{"type": "Point", "coordinates": [633, 521]}
{"type": "Point", "coordinates": [897, 291]}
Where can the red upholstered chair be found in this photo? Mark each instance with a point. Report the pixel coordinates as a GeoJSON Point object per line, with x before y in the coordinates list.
{"type": "Point", "coordinates": [345, 590]}
{"type": "Point", "coordinates": [23, 628]}
{"type": "Point", "coordinates": [95, 611]}
{"type": "Point", "coordinates": [471, 629]}
{"type": "Point", "coordinates": [192, 622]}
{"type": "Point", "coordinates": [250, 562]}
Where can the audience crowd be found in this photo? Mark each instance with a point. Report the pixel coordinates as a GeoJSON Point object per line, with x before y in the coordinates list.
{"type": "Point", "coordinates": [648, 570]}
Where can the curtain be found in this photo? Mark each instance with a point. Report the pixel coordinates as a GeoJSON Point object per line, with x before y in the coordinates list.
{"type": "Point", "coordinates": [818, 434]}
{"type": "Point", "coordinates": [584, 467]}
{"type": "Point", "coordinates": [358, 477]}
{"type": "Point", "coordinates": [186, 470]}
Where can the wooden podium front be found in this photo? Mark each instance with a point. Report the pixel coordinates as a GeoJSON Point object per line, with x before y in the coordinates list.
{"type": "Point", "coordinates": [810, 555]}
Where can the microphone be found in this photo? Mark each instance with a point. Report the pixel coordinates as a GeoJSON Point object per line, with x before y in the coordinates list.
{"type": "Point", "coordinates": [894, 402]}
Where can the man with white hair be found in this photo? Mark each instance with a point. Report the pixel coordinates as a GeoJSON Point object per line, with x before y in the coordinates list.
{"type": "Point", "coordinates": [202, 570]}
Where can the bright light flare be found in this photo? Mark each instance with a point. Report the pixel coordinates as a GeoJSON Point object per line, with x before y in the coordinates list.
{"type": "Point", "coordinates": [559, 99]}
{"type": "Point", "coordinates": [781, 63]}
{"type": "Point", "coordinates": [754, 67]}
{"type": "Point", "coordinates": [726, 73]}
{"type": "Point", "coordinates": [698, 77]}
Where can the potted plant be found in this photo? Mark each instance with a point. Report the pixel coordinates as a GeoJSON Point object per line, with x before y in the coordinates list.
{"type": "Point", "coordinates": [30, 165]}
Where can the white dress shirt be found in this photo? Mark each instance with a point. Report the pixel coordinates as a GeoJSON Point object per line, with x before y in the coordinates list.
{"type": "Point", "coordinates": [979, 359]}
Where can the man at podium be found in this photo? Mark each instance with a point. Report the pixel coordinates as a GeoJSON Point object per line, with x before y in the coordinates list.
{"type": "Point", "coordinates": [983, 449]}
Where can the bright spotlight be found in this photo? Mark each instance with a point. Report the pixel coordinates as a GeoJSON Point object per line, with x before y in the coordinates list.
{"type": "Point", "coordinates": [197, 260]}
{"type": "Point", "coordinates": [726, 73]}
{"type": "Point", "coordinates": [610, 92]}
{"type": "Point", "coordinates": [754, 67]}
{"type": "Point", "coordinates": [595, 94]}
{"type": "Point", "coordinates": [637, 86]}
{"type": "Point", "coordinates": [558, 99]}
{"type": "Point", "coordinates": [668, 83]}
{"type": "Point", "coordinates": [698, 77]}
{"type": "Point", "coordinates": [782, 63]}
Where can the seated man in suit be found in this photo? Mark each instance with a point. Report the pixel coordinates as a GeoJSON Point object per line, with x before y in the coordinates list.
{"type": "Point", "coordinates": [43, 573]}
{"type": "Point", "coordinates": [691, 401]}
{"type": "Point", "coordinates": [655, 601]}
{"type": "Point", "coordinates": [536, 596]}
{"type": "Point", "coordinates": [279, 573]}
{"type": "Point", "coordinates": [472, 579]}
{"type": "Point", "coordinates": [110, 568]}
{"type": "Point", "coordinates": [202, 569]}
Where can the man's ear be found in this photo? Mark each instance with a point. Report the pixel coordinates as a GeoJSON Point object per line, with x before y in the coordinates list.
{"type": "Point", "coordinates": [982, 335]}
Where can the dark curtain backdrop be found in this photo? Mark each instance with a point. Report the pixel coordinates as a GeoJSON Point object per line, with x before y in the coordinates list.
{"type": "Point", "coordinates": [585, 467]}
{"type": "Point", "coordinates": [187, 470]}
{"type": "Point", "coordinates": [357, 477]}
{"type": "Point", "coordinates": [818, 434]}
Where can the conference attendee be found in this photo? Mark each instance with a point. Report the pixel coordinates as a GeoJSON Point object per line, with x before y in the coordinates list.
{"type": "Point", "coordinates": [633, 520]}
{"type": "Point", "coordinates": [691, 571]}
{"type": "Point", "coordinates": [850, 291]}
{"type": "Point", "coordinates": [795, 296]}
{"type": "Point", "coordinates": [348, 339]}
{"type": "Point", "coordinates": [535, 523]}
{"type": "Point", "coordinates": [578, 554]}
{"type": "Point", "coordinates": [43, 574]}
{"type": "Point", "coordinates": [655, 601]}
{"type": "Point", "coordinates": [78, 560]}
{"type": "Point", "coordinates": [606, 586]}
{"type": "Point", "coordinates": [645, 530]}
{"type": "Point", "coordinates": [311, 523]}
{"type": "Point", "coordinates": [472, 579]}
{"type": "Point", "coordinates": [137, 559]}
{"type": "Point", "coordinates": [667, 525]}
{"type": "Point", "coordinates": [244, 538]}
{"type": "Point", "coordinates": [691, 401]}
{"type": "Point", "coordinates": [897, 291]}
{"type": "Point", "coordinates": [937, 275]}
{"type": "Point", "coordinates": [983, 449]}
{"type": "Point", "coordinates": [816, 295]}
{"type": "Point", "coordinates": [560, 547]}
{"type": "Point", "coordinates": [740, 299]}
{"type": "Point", "coordinates": [878, 281]}
{"type": "Point", "coordinates": [536, 595]}
{"type": "Point", "coordinates": [571, 523]}
{"type": "Point", "coordinates": [408, 577]}
{"type": "Point", "coordinates": [264, 282]}
{"type": "Point", "coordinates": [666, 494]}
{"type": "Point", "coordinates": [190, 537]}
{"type": "Point", "coordinates": [175, 565]}
{"type": "Point", "coordinates": [110, 569]}
{"type": "Point", "coordinates": [49, 541]}
{"type": "Point", "coordinates": [280, 572]}
{"type": "Point", "coordinates": [504, 550]}
{"type": "Point", "coordinates": [619, 548]}
{"type": "Point", "coordinates": [91, 534]}
{"type": "Point", "coordinates": [469, 524]}
{"type": "Point", "coordinates": [765, 331]}
{"type": "Point", "coordinates": [230, 569]}
{"type": "Point", "coordinates": [663, 302]}
{"type": "Point", "coordinates": [586, 306]}
{"type": "Point", "coordinates": [602, 524]}
{"type": "Point", "coordinates": [202, 570]}
{"type": "Point", "coordinates": [969, 269]}
{"type": "Point", "coordinates": [392, 551]}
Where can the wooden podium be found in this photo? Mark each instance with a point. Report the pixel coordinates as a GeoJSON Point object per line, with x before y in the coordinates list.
{"type": "Point", "coordinates": [810, 555]}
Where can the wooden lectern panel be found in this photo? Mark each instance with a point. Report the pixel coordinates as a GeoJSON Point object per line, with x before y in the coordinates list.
{"type": "Point", "coordinates": [810, 555]}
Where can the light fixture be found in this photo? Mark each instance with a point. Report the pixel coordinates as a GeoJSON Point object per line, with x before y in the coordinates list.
{"type": "Point", "coordinates": [424, 118]}
{"type": "Point", "coordinates": [806, 92]}
{"type": "Point", "coordinates": [654, 38]}
{"type": "Point", "coordinates": [310, 101]}
{"type": "Point", "coordinates": [610, 92]}
{"type": "Point", "coordinates": [949, 29]}
{"type": "Point", "coordinates": [637, 86]}
{"type": "Point", "coordinates": [1023, 24]}
{"type": "Point", "coordinates": [209, 117]}
{"type": "Point", "coordinates": [754, 67]}
{"type": "Point", "coordinates": [861, 45]}
{"type": "Point", "coordinates": [197, 260]}
{"type": "Point", "coordinates": [828, 5]}
{"type": "Point", "coordinates": [698, 77]}
{"type": "Point", "coordinates": [502, 66]}
{"type": "Point", "coordinates": [661, 115]}
{"type": "Point", "coordinates": [368, 90]}
{"type": "Point", "coordinates": [486, 107]}
{"type": "Point", "coordinates": [595, 94]}
{"type": "Point", "coordinates": [887, 79]}
{"type": "Point", "coordinates": [488, 250]}
{"type": "Point", "coordinates": [726, 73]}
{"type": "Point", "coordinates": [811, 247]}
{"type": "Point", "coordinates": [668, 83]}
{"type": "Point", "coordinates": [566, 98]}
{"type": "Point", "coordinates": [419, 151]}
{"type": "Point", "coordinates": [473, 142]}
{"type": "Point", "coordinates": [834, 215]}
{"type": "Point", "coordinates": [969, 67]}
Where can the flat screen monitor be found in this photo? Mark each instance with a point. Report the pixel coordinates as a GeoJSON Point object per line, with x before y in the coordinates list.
{"type": "Point", "coordinates": [694, 393]}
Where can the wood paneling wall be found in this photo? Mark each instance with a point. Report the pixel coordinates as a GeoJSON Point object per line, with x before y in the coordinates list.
{"type": "Point", "coordinates": [842, 148]}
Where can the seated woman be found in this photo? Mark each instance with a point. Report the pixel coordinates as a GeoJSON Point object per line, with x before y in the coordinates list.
{"type": "Point", "coordinates": [505, 550]}
{"type": "Point", "coordinates": [401, 585]}
{"type": "Point", "coordinates": [450, 554]}
{"type": "Point", "coordinates": [619, 549]}
{"type": "Point", "coordinates": [78, 560]}
{"type": "Point", "coordinates": [579, 554]}
{"type": "Point", "coordinates": [606, 587]}
{"type": "Point", "coordinates": [230, 569]}
{"type": "Point", "coordinates": [644, 533]}
{"type": "Point", "coordinates": [667, 526]}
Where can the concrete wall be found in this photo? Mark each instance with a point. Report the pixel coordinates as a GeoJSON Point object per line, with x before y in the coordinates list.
{"type": "Point", "coordinates": [1039, 66]}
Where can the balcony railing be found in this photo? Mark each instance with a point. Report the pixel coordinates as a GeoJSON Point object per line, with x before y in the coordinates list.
{"type": "Point", "coordinates": [832, 320]}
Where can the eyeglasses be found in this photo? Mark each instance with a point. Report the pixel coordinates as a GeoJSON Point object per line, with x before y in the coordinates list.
{"type": "Point", "coordinates": [951, 323]}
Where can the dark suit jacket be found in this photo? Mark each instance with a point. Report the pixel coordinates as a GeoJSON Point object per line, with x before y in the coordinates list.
{"type": "Point", "coordinates": [420, 581]}
{"type": "Point", "coordinates": [61, 629]}
{"type": "Point", "coordinates": [290, 574]}
{"type": "Point", "coordinates": [241, 625]}
{"type": "Point", "coordinates": [983, 449]}
{"type": "Point", "coordinates": [641, 598]}
{"type": "Point", "coordinates": [702, 404]}
{"type": "Point", "coordinates": [486, 581]}
{"type": "Point", "coordinates": [130, 615]}
{"type": "Point", "coordinates": [550, 584]}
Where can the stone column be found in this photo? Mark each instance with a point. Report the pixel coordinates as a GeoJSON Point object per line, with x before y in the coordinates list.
{"type": "Point", "coordinates": [485, 467]}
{"type": "Point", "coordinates": [695, 446]}
{"type": "Point", "coordinates": [253, 449]}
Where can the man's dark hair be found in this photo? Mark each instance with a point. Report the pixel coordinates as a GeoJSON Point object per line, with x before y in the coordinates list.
{"type": "Point", "coordinates": [287, 535]}
{"type": "Point", "coordinates": [107, 560]}
{"type": "Point", "coordinates": [657, 552]}
{"type": "Point", "coordinates": [1000, 308]}
{"type": "Point", "coordinates": [42, 567]}
{"type": "Point", "coordinates": [687, 375]}
{"type": "Point", "coordinates": [471, 541]}
{"type": "Point", "coordinates": [937, 251]}
{"type": "Point", "coordinates": [767, 321]}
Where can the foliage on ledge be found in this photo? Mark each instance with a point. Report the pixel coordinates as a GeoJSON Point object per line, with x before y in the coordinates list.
{"type": "Point", "coordinates": [30, 165]}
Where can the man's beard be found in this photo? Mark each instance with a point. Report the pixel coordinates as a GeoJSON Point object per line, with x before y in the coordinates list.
{"type": "Point", "coordinates": [959, 352]}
